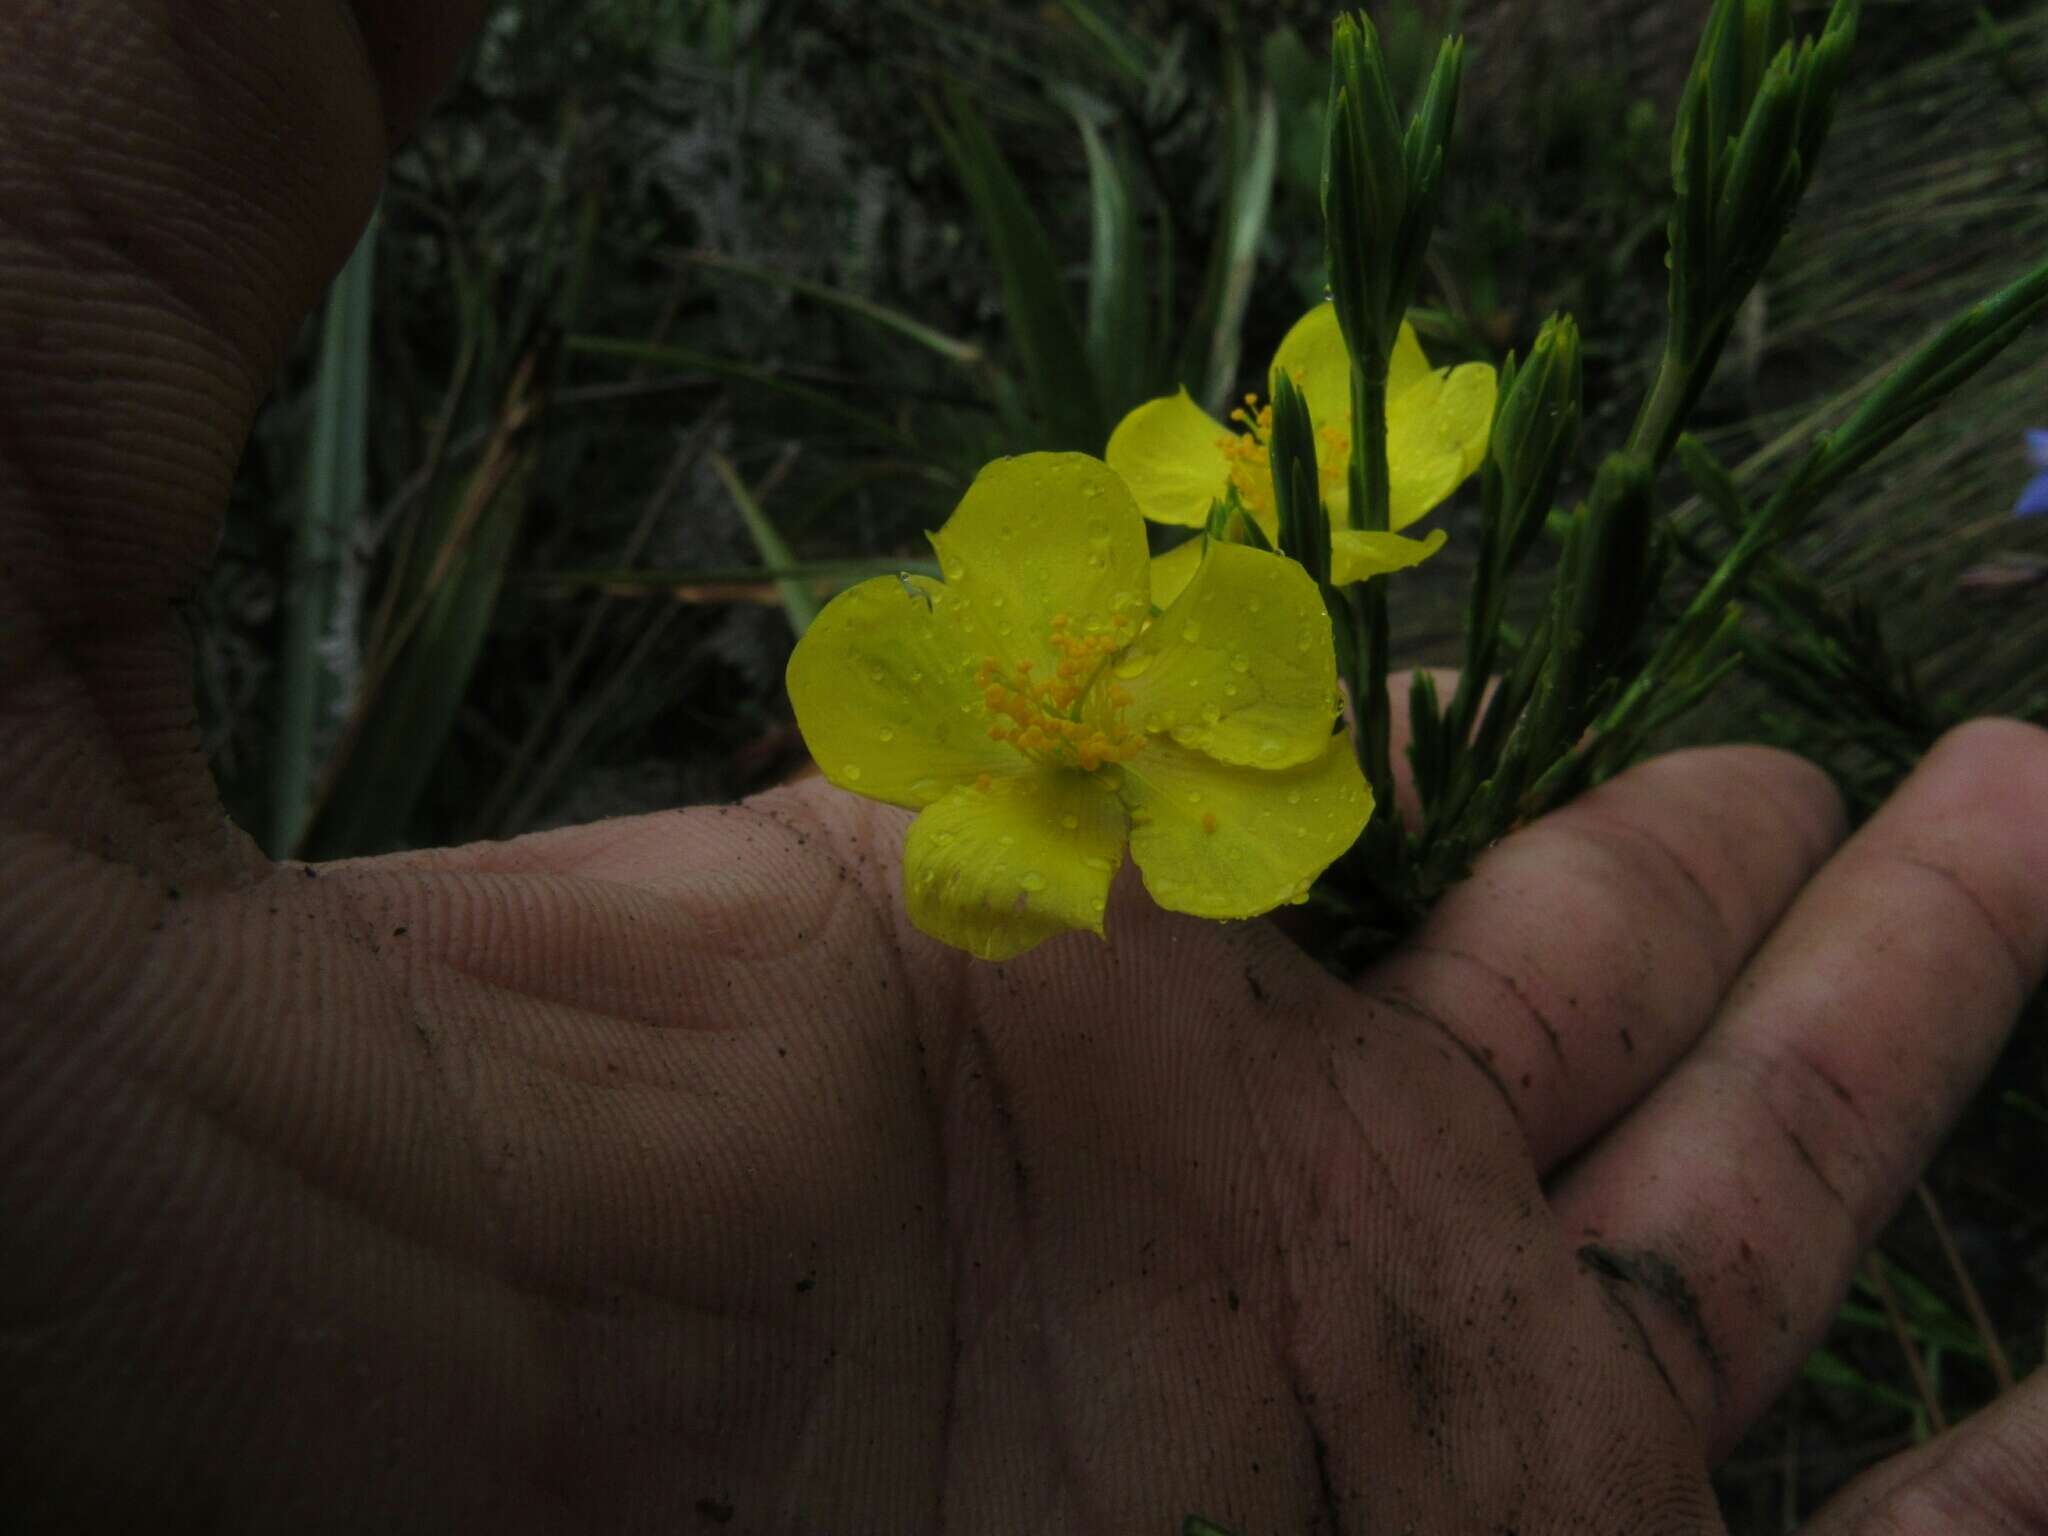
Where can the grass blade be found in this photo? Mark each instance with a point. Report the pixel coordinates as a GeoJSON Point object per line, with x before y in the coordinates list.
{"type": "Point", "coordinates": [414, 687]}
{"type": "Point", "coordinates": [336, 487]}
{"type": "Point", "coordinates": [951, 348]}
{"type": "Point", "coordinates": [799, 602]}
{"type": "Point", "coordinates": [1041, 323]}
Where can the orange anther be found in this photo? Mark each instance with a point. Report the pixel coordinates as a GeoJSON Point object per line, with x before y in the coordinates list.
{"type": "Point", "coordinates": [1208, 821]}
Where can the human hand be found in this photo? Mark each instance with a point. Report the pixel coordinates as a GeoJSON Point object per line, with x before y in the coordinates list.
{"type": "Point", "coordinates": [656, 1174]}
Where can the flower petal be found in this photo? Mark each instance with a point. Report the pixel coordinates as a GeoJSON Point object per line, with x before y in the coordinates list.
{"type": "Point", "coordinates": [1218, 841]}
{"type": "Point", "coordinates": [1169, 452]}
{"type": "Point", "coordinates": [2033, 498]}
{"type": "Point", "coordinates": [1241, 667]}
{"type": "Point", "coordinates": [1172, 571]}
{"type": "Point", "coordinates": [885, 695]}
{"type": "Point", "coordinates": [1409, 366]}
{"type": "Point", "coordinates": [994, 871]}
{"type": "Point", "coordinates": [2037, 447]}
{"type": "Point", "coordinates": [1312, 353]}
{"type": "Point", "coordinates": [1037, 536]}
{"type": "Point", "coordinates": [1356, 555]}
{"type": "Point", "coordinates": [1436, 436]}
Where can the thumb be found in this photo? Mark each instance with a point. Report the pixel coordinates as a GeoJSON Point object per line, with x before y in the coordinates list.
{"type": "Point", "coordinates": [178, 179]}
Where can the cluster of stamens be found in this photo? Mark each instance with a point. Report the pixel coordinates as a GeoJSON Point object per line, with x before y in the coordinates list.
{"type": "Point", "coordinates": [1250, 462]}
{"type": "Point", "coordinates": [1039, 716]}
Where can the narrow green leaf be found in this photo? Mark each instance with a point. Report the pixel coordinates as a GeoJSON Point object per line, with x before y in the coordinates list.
{"type": "Point", "coordinates": [1119, 319]}
{"type": "Point", "coordinates": [951, 348]}
{"type": "Point", "coordinates": [799, 603]}
{"type": "Point", "coordinates": [1041, 323]}
{"type": "Point", "coordinates": [336, 478]}
{"type": "Point", "coordinates": [822, 401]}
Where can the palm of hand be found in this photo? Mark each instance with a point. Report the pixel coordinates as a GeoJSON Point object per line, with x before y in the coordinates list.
{"type": "Point", "coordinates": [621, 1171]}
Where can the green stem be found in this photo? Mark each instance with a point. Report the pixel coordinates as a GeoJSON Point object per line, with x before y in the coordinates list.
{"type": "Point", "coordinates": [1370, 506]}
{"type": "Point", "coordinates": [1657, 424]}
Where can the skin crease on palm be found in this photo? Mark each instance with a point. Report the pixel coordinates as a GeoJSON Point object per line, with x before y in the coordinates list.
{"type": "Point", "coordinates": [655, 1175]}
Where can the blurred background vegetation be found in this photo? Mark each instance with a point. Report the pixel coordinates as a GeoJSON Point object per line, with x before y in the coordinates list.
{"type": "Point", "coordinates": [680, 313]}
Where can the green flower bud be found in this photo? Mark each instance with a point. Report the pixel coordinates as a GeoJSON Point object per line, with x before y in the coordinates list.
{"type": "Point", "coordinates": [1535, 428]}
{"type": "Point", "coordinates": [1291, 448]}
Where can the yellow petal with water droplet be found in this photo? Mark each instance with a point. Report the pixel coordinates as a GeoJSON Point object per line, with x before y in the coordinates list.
{"type": "Point", "coordinates": [1172, 571]}
{"type": "Point", "coordinates": [1169, 453]}
{"type": "Point", "coordinates": [997, 871]}
{"type": "Point", "coordinates": [1312, 353]}
{"type": "Point", "coordinates": [1356, 555]}
{"type": "Point", "coordinates": [1273, 711]}
{"type": "Point", "coordinates": [884, 692]}
{"type": "Point", "coordinates": [1017, 554]}
{"type": "Point", "coordinates": [1251, 838]}
{"type": "Point", "coordinates": [1436, 437]}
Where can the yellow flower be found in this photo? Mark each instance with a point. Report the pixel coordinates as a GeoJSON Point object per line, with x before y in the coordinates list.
{"type": "Point", "coordinates": [1178, 459]}
{"type": "Point", "coordinates": [1038, 715]}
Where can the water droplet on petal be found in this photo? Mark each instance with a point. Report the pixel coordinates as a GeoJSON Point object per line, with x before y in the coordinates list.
{"type": "Point", "coordinates": [926, 791]}
{"type": "Point", "coordinates": [1070, 822]}
{"type": "Point", "coordinates": [851, 773]}
{"type": "Point", "coordinates": [1294, 797]}
{"type": "Point", "coordinates": [1006, 841]}
{"type": "Point", "coordinates": [1031, 880]}
{"type": "Point", "coordinates": [1098, 863]}
{"type": "Point", "coordinates": [1191, 631]}
{"type": "Point", "coordinates": [886, 734]}
{"type": "Point", "coordinates": [1240, 662]}
{"type": "Point", "coordinates": [1211, 713]}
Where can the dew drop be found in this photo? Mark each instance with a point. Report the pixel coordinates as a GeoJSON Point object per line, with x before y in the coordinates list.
{"type": "Point", "coordinates": [851, 773]}
{"type": "Point", "coordinates": [886, 734]}
{"type": "Point", "coordinates": [1191, 632]}
{"type": "Point", "coordinates": [1211, 713]}
{"type": "Point", "coordinates": [1006, 841]}
{"type": "Point", "coordinates": [1240, 662]}
{"type": "Point", "coordinates": [1230, 690]}
{"type": "Point", "coordinates": [1253, 605]}
{"type": "Point", "coordinates": [1194, 797]}
{"type": "Point", "coordinates": [1031, 880]}
{"type": "Point", "coordinates": [1097, 862]}
{"type": "Point", "coordinates": [928, 790]}
{"type": "Point", "coordinates": [1070, 822]}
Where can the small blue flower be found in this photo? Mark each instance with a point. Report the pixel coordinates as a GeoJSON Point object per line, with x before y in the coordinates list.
{"type": "Point", "coordinates": [2033, 500]}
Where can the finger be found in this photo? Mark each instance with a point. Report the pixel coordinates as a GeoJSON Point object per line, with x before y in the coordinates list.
{"type": "Point", "coordinates": [1588, 950]}
{"type": "Point", "coordinates": [1725, 1213]}
{"type": "Point", "coordinates": [178, 178]}
{"type": "Point", "coordinates": [1987, 1477]}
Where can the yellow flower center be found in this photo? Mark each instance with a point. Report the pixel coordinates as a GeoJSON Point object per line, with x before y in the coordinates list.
{"type": "Point", "coordinates": [1251, 465]}
{"type": "Point", "coordinates": [1065, 720]}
